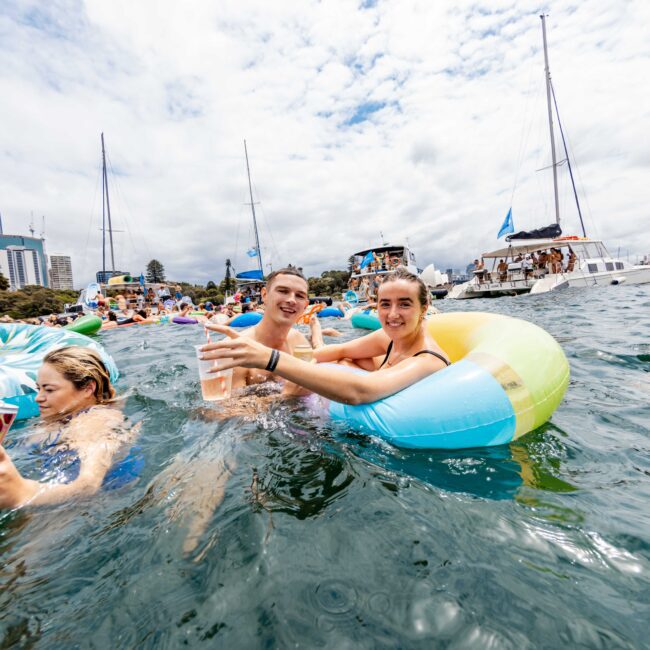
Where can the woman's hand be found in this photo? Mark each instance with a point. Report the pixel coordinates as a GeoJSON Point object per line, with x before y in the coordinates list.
{"type": "Point", "coordinates": [239, 350]}
{"type": "Point", "coordinates": [15, 491]}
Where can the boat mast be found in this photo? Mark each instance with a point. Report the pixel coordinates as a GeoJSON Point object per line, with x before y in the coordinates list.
{"type": "Point", "coordinates": [106, 201]}
{"type": "Point", "coordinates": [550, 121]}
{"type": "Point", "coordinates": [250, 189]}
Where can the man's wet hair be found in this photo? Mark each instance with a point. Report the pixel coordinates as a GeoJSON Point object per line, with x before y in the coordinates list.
{"type": "Point", "coordinates": [289, 270]}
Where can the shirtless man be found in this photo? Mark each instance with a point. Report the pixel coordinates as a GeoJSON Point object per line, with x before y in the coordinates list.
{"type": "Point", "coordinates": [285, 298]}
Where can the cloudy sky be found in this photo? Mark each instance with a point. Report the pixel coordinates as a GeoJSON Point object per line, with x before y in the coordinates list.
{"type": "Point", "coordinates": [419, 120]}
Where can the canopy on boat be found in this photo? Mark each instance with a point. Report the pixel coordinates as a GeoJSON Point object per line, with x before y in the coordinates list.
{"type": "Point", "coordinates": [534, 245]}
{"type": "Point", "coordinates": [255, 274]}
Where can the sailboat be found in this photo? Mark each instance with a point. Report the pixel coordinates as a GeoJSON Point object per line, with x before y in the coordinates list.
{"type": "Point", "coordinates": [516, 268]}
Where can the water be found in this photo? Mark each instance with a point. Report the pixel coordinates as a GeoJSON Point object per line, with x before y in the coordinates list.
{"type": "Point", "coordinates": [326, 539]}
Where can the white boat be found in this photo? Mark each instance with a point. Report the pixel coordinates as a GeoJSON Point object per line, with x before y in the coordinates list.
{"type": "Point", "coordinates": [593, 266]}
{"type": "Point", "coordinates": [379, 260]}
{"type": "Point", "coordinates": [513, 272]}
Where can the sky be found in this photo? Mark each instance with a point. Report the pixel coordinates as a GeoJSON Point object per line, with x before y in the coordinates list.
{"type": "Point", "coordinates": [365, 121]}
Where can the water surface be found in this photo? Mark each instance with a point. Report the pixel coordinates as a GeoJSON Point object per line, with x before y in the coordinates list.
{"type": "Point", "coordinates": [328, 539]}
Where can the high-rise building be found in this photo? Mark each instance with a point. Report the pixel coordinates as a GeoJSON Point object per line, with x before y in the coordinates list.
{"type": "Point", "coordinates": [23, 261]}
{"type": "Point", "coordinates": [61, 272]}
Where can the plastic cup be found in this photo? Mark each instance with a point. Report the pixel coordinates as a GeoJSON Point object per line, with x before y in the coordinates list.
{"type": "Point", "coordinates": [214, 385]}
{"type": "Point", "coordinates": [303, 352]}
{"type": "Point", "coordinates": [8, 414]}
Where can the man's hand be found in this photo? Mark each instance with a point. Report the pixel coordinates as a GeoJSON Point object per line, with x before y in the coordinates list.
{"type": "Point", "coordinates": [235, 350]}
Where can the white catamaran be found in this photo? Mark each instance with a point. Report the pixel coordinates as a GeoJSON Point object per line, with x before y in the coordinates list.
{"type": "Point", "coordinates": [565, 261]}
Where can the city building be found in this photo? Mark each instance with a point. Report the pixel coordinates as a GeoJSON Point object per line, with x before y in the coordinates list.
{"type": "Point", "coordinates": [23, 261]}
{"type": "Point", "coordinates": [61, 272]}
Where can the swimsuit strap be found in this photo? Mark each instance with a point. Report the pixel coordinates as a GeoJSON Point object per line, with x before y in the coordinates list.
{"type": "Point", "coordinates": [435, 354]}
{"type": "Point", "coordinates": [390, 347]}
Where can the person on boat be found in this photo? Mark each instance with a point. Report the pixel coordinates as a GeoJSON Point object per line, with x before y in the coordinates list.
{"type": "Point", "coordinates": [285, 297]}
{"type": "Point", "coordinates": [502, 269]}
{"type": "Point", "coordinates": [401, 352]}
{"type": "Point", "coordinates": [571, 261]}
{"type": "Point", "coordinates": [81, 435]}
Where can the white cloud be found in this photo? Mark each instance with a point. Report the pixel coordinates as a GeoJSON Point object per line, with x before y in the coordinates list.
{"type": "Point", "coordinates": [456, 114]}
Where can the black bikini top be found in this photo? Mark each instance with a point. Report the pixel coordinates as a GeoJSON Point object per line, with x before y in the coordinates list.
{"type": "Point", "coordinates": [417, 354]}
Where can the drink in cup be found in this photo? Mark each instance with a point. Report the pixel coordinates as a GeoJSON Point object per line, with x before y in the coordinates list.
{"type": "Point", "coordinates": [303, 352]}
{"type": "Point", "coordinates": [214, 385]}
{"type": "Point", "coordinates": [7, 416]}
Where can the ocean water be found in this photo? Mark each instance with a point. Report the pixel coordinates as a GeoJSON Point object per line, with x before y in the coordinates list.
{"type": "Point", "coordinates": [314, 537]}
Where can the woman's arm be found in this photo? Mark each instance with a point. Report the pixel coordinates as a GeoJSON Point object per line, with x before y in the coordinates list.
{"type": "Point", "coordinates": [368, 346]}
{"type": "Point", "coordinates": [336, 384]}
{"type": "Point", "coordinates": [90, 435]}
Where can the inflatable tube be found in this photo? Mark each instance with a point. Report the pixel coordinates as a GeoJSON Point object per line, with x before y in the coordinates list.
{"type": "Point", "coordinates": [366, 320]}
{"type": "Point", "coordinates": [507, 378]}
{"type": "Point", "coordinates": [330, 312]}
{"type": "Point", "coordinates": [247, 319]}
{"type": "Point", "coordinates": [120, 279]}
{"type": "Point", "coordinates": [85, 325]}
{"type": "Point", "coordinates": [22, 348]}
{"type": "Point", "coordinates": [183, 320]}
{"type": "Point", "coordinates": [351, 297]}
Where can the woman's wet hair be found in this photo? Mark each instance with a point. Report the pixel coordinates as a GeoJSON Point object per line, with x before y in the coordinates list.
{"type": "Point", "coordinates": [402, 273]}
{"type": "Point", "coordinates": [81, 366]}
{"type": "Point", "coordinates": [141, 312]}
{"type": "Point", "coordinates": [112, 316]}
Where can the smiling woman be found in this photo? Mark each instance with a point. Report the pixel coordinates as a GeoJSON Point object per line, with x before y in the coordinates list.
{"type": "Point", "coordinates": [80, 436]}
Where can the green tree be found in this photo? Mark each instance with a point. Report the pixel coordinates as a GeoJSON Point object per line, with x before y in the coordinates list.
{"type": "Point", "coordinates": [155, 271]}
{"type": "Point", "coordinates": [210, 285]}
{"type": "Point", "coordinates": [34, 301]}
{"type": "Point", "coordinates": [330, 283]}
{"type": "Point", "coordinates": [4, 283]}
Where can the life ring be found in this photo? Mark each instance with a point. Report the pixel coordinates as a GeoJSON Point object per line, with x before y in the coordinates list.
{"type": "Point", "coordinates": [394, 262]}
{"type": "Point", "coordinates": [330, 312]}
{"type": "Point", "coordinates": [22, 348]}
{"type": "Point", "coordinates": [184, 320]}
{"type": "Point", "coordinates": [507, 378]}
{"type": "Point", "coordinates": [247, 319]}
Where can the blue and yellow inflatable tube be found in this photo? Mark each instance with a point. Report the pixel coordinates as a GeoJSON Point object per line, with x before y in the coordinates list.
{"type": "Point", "coordinates": [507, 377]}
{"type": "Point", "coordinates": [22, 348]}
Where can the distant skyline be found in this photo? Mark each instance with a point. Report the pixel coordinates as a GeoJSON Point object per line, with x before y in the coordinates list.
{"type": "Point", "coordinates": [417, 120]}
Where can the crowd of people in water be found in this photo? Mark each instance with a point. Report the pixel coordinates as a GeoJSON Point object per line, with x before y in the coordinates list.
{"type": "Point", "coordinates": [84, 428]}
{"type": "Point", "coordinates": [523, 266]}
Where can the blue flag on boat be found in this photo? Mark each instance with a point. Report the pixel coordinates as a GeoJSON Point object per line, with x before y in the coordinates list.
{"type": "Point", "coordinates": [508, 225]}
{"type": "Point", "coordinates": [367, 259]}
{"type": "Point", "coordinates": [251, 252]}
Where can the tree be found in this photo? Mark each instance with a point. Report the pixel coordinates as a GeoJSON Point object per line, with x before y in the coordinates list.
{"type": "Point", "coordinates": [155, 271]}
{"type": "Point", "coordinates": [227, 280]}
{"type": "Point", "coordinates": [210, 285]}
{"type": "Point", "coordinates": [4, 283]}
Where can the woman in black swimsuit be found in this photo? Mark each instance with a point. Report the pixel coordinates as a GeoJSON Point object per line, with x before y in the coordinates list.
{"type": "Point", "coordinates": [401, 352]}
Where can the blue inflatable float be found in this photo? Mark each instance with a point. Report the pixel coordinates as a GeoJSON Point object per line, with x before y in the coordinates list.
{"type": "Point", "coordinates": [246, 320]}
